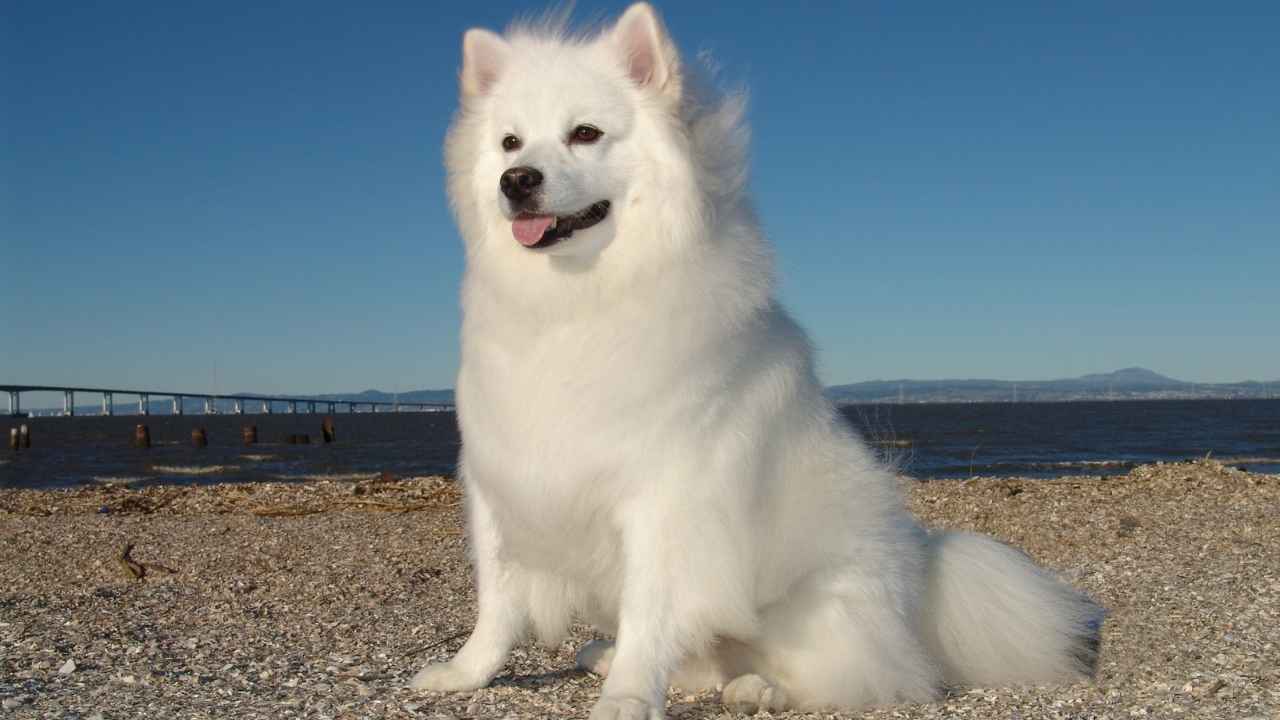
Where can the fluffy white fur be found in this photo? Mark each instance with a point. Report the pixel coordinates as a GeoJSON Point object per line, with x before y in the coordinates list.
{"type": "Point", "coordinates": [646, 444]}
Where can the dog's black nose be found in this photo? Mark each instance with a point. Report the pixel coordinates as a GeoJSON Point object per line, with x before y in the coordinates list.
{"type": "Point", "coordinates": [518, 183]}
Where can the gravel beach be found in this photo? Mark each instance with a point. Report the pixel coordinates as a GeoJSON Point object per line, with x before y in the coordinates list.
{"type": "Point", "coordinates": [321, 599]}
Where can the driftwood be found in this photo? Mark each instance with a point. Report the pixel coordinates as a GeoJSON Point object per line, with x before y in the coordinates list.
{"type": "Point", "coordinates": [437, 643]}
{"type": "Point", "coordinates": [137, 570]}
{"type": "Point", "coordinates": [358, 504]}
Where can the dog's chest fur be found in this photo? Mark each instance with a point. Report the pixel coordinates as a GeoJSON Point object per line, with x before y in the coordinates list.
{"type": "Point", "coordinates": [560, 423]}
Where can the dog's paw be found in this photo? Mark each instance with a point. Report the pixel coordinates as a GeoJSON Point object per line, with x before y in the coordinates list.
{"type": "Point", "coordinates": [595, 657]}
{"type": "Point", "coordinates": [625, 708]}
{"type": "Point", "coordinates": [448, 677]}
{"type": "Point", "coordinates": [751, 693]}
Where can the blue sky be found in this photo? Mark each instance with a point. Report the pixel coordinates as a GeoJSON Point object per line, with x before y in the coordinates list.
{"type": "Point", "coordinates": [1012, 190]}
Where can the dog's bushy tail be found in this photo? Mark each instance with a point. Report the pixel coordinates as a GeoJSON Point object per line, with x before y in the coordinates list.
{"type": "Point", "coordinates": [994, 618]}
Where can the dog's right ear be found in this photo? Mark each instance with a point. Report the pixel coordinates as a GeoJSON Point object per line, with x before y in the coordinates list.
{"type": "Point", "coordinates": [647, 50]}
{"type": "Point", "coordinates": [484, 54]}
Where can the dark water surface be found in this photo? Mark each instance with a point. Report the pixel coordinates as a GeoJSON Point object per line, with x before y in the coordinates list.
{"type": "Point", "coordinates": [1070, 438]}
{"type": "Point", "coordinates": [928, 441]}
{"type": "Point", "coordinates": [70, 451]}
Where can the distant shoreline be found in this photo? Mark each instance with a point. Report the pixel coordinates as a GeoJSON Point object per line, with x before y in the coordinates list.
{"type": "Point", "coordinates": [92, 411]}
{"type": "Point", "coordinates": [1132, 383]}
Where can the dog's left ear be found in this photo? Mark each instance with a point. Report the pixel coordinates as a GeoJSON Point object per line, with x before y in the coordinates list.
{"type": "Point", "coordinates": [647, 50]}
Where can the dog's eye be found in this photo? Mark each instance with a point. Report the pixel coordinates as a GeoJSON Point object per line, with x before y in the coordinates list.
{"type": "Point", "coordinates": [510, 142]}
{"type": "Point", "coordinates": [585, 134]}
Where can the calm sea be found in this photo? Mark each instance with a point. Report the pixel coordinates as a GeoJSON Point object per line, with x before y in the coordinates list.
{"type": "Point", "coordinates": [926, 441]}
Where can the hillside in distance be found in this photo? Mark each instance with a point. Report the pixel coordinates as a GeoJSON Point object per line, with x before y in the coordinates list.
{"type": "Point", "coordinates": [413, 396]}
{"type": "Point", "coordinates": [1127, 384]}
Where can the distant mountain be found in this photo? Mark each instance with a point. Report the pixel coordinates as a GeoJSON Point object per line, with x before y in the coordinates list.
{"type": "Point", "coordinates": [413, 396]}
{"type": "Point", "coordinates": [444, 397]}
{"type": "Point", "coordinates": [1133, 377]}
{"type": "Point", "coordinates": [1133, 383]}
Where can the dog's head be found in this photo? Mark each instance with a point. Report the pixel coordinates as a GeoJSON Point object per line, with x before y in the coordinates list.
{"type": "Point", "coordinates": [561, 138]}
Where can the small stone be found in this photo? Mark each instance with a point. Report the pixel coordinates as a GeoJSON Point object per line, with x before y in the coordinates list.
{"type": "Point", "coordinates": [15, 701]}
{"type": "Point", "coordinates": [1128, 524]}
{"type": "Point", "coordinates": [67, 668]}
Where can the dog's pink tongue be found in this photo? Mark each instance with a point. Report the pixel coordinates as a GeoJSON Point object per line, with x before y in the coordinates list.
{"type": "Point", "coordinates": [529, 229]}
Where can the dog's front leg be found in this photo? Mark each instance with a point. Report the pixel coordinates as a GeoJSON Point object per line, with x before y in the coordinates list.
{"type": "Point", "coordinates": [502, 619]}
{"type": "Point", "coordinates": [652, 623]}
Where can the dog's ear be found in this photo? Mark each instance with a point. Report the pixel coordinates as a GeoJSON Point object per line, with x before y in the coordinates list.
{"type": "Point", "coordinates": [484, 54]}
{"type": "Point", "coordinates": [647, 50]}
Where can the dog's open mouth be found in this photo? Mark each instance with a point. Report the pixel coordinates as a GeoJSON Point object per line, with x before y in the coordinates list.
{"type": "Point", "coordinates": [540, 231]}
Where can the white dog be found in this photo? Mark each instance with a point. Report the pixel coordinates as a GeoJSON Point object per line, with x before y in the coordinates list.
{"type": "Point", "coordinates": [646, 444]}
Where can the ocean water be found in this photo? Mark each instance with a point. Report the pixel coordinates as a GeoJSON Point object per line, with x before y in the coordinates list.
{"type": "Point", "coordinates": [1069, 438]}
{"type": "Point", "coordinates": [925, 441]}
{"type": "Point", "coordinates": [69, 451]}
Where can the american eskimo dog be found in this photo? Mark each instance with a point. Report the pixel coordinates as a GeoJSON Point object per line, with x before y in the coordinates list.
{"type": "Point", "coordinates": [645, 442]}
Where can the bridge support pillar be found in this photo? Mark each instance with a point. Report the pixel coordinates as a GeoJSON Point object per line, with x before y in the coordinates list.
{"type": "Point", "coordinates": [311, 407]}
{"type": "Point", "coordinates": [144, 404]}
{"type": "Point", "coordinates": [177, 404]}
{"type": "Point", "coordinates": [266, 407]}
{"type": "Point", "coordinates": [68, 402]}
{"type": "Point", "coordinates": [237, 406]}
{"type": "Point", "coordinates": [108, 404]}
{"type": "Point", "coordinates": [15, 403]}
{"type": "Point", "coordinates": [208, 406]}
{"type": "Point", "coordinates": [293, 407]}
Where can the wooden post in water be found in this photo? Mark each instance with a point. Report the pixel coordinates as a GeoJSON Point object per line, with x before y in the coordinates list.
{"type": "Point", "coordinates": [328, 431]}
{"type": "Point", "coordinates": [199, 437]}
{"type": "Point", "coordinates": [249, 433]}
{"type": "Point", "coordinates": [142, 436]}
{"type": "Point", "coordinates": [13, 439]}
{"type": "Point", "coordinates": [24, 436]}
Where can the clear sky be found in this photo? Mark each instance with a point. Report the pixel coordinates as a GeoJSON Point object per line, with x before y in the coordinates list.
{"type": "Point", "coordinates": [1010, 190]}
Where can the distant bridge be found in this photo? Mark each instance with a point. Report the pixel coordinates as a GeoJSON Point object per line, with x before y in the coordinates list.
{"type": "Point", "coordinates": [240, 404]}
